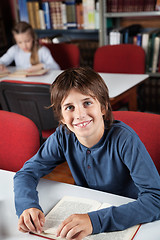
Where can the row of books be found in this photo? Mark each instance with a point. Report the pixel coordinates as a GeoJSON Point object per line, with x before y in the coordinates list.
{"type": "Point", "coordinates": [131, 5]}
{"type": "Point", "coordinates": [57, 14]}
{"type": "Point", "coordinates": [148, 39]}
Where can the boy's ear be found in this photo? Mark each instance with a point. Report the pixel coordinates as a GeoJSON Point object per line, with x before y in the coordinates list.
{"type": "Point", "coordinates": [104, 109]}
{"type": "Point", "coordinates": [62, 121]}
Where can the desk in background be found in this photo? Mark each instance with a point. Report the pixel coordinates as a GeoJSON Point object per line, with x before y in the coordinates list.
{"type": "Point", "coordinates": [50, 193]}
{"type": "Point", "coordinates": [119, 85]}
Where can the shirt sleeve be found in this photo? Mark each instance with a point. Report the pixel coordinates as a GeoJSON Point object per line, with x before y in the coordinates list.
{"type": "Point", "coordinates": [146, 178]}
{"type": "Point", "coordinates": [8, 57]}
{"type": "Point", "coordinates": [26, 180]}
{"type": "Point", "coordinates": [47, 59]}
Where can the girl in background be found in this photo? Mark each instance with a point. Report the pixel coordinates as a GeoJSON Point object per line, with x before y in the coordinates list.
{"type": "Point", "coordinates": [27, 53]}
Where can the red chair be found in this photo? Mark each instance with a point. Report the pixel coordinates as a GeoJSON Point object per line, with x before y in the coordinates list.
{"type": "Point", "coordinates": [122, 58]}
{"type": "Point", "coordinates": [65, 54]}
{"type": "Point", "coordinates": [146, 125]}
{"type": "Point", "coordinates": [20, 140]}
{"type": "Point", "coordinates": [31, 100]}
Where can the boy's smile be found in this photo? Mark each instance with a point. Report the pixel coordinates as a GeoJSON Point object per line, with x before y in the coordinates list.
{"type": "Point", "coordinates": [83, 115]}
{"type": "Point", "coordinates": [82, 124]}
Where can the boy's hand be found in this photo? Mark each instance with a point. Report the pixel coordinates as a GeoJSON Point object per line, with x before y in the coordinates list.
{"type": "Point", "coordinates": [76, 226]}
{"type": "Point", "coordinates": [31, 220]}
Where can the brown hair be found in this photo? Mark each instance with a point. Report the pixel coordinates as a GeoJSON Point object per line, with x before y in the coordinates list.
{"type": "Point", "coordinates": [85, 80]}
{"type": "Point", "coordinates": [23, 27]}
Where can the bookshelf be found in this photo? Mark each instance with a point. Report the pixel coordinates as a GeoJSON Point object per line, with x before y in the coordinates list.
{"type": "Point", "coordinates": [52, 18]}
{"type": "Point", "coordinates": [150, 92]}
{"type": "Point", "coordinates": [72, 34]}
{"type": "Point", "coordinates": [104, 16]}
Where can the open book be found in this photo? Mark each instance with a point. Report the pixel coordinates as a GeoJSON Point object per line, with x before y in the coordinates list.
{"type": "Point", "coordinates": [69, 205]}
{"type": "Point", "coordinates": [4, 73]}
{"type": "Point", "coordinates": [23, 73]}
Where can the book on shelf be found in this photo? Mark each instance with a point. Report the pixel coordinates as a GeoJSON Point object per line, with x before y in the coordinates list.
{"type": "Point", "coordinates": [79, 14]}
{"type": "Point", "coordinates": [149, 5]}
{"type": "Point", "coordinates": [130, 5]}
{"type": "Point", "coordinates": [23, 73]}
{"type": "Point", "coordinates": [23, 11]}
{"type": "Point", "coordinates": [157, 8]}
{"type": "Point", "coordinates": [156, 49]}
{"type": "Point", "coordinates": [139, 39]}
{"type": "Point", "coordinates": [42, 20]}
{"type": "Point", "coordinates": [71, 14]}
{"type": "Point", "coordinates": [124, 34]}
{"type": "Point", "coordinates": [37, 16]}
{"type": "Point", "coordinates": [145, 40]}
{"type": "Point", "coordinates": [47, 19]}
{"type": "Point", "coordinates": [150, 51]}
{"type": "Point", "coordinates": [97, 25]}
{"type": "Point", "coordinates": [120, 6]}
{"type": "Point", "coordinates": [58, 14]}
{"type": "Point", "coordinates": [69, 205]}
{"type": "Point", "coordinates": [89, 14]}
{"type": "Point", "coordinates": [33, 13]}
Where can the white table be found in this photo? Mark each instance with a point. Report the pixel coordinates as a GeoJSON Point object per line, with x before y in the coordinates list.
{"type": "Point", "coordinates": [120, 85]}
{"type": "Point", "coordinates": [50, 193]}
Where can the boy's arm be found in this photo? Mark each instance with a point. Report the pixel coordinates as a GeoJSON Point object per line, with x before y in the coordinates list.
{"type": "Point", "coordinates": [26, 180]}
{"type": "Point", "coordinates": [146, 178]}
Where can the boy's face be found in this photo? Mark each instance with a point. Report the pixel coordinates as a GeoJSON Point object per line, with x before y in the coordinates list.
{"type": "Point", "coordinates": [24, 41]}
{"type": "Point", "coordinates": [83, 115]}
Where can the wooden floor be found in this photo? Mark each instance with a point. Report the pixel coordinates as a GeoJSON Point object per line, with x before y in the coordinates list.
{"type": "Point", "coordinates": [61, 174]}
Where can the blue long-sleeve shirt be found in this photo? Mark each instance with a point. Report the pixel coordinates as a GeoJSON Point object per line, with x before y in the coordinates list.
{"type": "Point", "coordinates": [119, 164]}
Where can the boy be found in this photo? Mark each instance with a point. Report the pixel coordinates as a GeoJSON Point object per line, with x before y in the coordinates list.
{"type": "Point", "coordinates": [102, 154]}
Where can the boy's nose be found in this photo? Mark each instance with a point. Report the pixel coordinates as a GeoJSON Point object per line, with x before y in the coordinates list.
{"type": "Point", "coordinates": [80, 112]}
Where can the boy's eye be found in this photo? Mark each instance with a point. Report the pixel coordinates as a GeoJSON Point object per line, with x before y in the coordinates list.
{"type": "Point", "coordinates": [69, 108]}
{"type": "Point", "coordinates": [87, 103]}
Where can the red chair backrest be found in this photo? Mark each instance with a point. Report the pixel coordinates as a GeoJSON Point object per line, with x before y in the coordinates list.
{"type": "Point", "coordinates": [20, 140]}
{"type": "Point", "coordinates": [65, 54]}
{"type": "Point", "coordinates": [29, 99]}
{"type": "Point", "coordinates": [122, 58]}
{"type": "Point", "coordinates": [146, 125]}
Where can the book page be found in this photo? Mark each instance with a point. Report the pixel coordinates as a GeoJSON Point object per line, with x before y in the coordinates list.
{"type": "Point", "coordinates": [126, 234]}
{"type": "Point", "coordinates": [65, 207]}
{"type": "Point", "coordinates": [24, 73]}
{"type": "Point", "coordinates": [70, 205]}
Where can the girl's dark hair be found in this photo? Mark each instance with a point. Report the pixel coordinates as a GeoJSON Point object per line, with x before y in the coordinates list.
{"type": "Point", "coordinates": [23, 27]}
{"type": "Point", "coordinates": [86, 81]}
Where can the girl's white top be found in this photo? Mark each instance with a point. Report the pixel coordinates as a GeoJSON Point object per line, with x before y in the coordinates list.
{"type": "Point", "coordinates": [22, 59]}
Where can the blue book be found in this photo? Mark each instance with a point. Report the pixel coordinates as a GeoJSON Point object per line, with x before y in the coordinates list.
{"type": "Point", "coordinates": [139, 39]}
{"type": "Point", "coordinates": [23, 11]}
{"type": "Point", "coordinates": [47, 18]}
